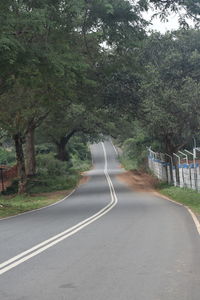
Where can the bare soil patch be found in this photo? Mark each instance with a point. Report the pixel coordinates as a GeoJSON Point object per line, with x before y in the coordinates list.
{"type": "Point", "coordinates": [139, 181]}
{"type": "Point", "coordinates": [84, 179]}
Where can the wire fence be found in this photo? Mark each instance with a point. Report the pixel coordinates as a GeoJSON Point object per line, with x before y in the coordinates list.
{"type": "Point", "coordinates": [181, 169]}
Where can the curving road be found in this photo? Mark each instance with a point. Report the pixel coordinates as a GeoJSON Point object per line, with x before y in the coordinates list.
{"type": "Point", "coordinates": [103, 242]}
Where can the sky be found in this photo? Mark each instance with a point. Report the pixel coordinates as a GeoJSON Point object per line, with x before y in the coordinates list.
{"type": "Point", "coordinates": [157, 25]}
{"type": "Point", "coordinates": [172, 24]}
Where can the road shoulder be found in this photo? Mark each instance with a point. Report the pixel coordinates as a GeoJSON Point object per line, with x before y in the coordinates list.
{"type": "Point", "coordinates": [145, 183]}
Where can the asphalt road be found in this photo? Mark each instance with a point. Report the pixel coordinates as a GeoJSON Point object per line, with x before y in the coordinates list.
{"type": "Point", "coordinates": [126, 246]}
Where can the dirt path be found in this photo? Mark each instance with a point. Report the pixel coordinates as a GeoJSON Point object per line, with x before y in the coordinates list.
{"type": "Point", "coordinates": [139, 181]}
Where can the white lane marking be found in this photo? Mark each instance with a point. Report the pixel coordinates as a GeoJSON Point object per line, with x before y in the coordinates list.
{"type": "Point", "coordinates": [26, 255]}
{"type": "Point", "coordinates": [114, 148]}
{"type": "Point", "coordinates": [33, 210]}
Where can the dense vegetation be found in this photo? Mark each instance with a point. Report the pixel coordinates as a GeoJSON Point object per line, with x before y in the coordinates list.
{"type": "Point", "coordinates": [86, 68]}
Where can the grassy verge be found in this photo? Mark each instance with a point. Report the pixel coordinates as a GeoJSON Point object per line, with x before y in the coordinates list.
{"type": "Point", "coordinates": [53, 181]}
{"type": "Point", "coordinates": [46, 184]}
{"type": "Point", "coordinates": [42, 191]}
{"type": "Point", "coordinates": [13, 205]}
{"type": "Point", "coordinates": [185, 196]}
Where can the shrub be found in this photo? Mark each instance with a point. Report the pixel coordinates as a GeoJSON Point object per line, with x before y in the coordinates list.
{"type": "Point", "coordinates": [134, 154]}
{"type": "Point", "coordinates": [48, 165]}
{"type": "Point", "coordinates": [44, 148]}
{"type": "Point", "coordinates": [41, 184]}
{"type": "Point", "coordinates": [80, 156]}
{"type": "Point", "coordinates": [7, 157]}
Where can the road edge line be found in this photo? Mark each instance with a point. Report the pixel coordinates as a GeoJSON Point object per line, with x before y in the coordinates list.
{"type": "Point", "coordinates": [37, 209]}
{"type": "Point", "coordinates": [37, 249]}
{"type": "Point", "coordinates": [194, 217]}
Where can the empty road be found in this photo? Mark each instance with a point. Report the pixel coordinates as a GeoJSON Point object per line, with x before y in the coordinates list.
{"type": "Point", "coordinates": [104, 242]}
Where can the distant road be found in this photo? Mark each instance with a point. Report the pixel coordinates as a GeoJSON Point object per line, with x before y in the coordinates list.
{"type": "Point", "coordinates": [104, 242]}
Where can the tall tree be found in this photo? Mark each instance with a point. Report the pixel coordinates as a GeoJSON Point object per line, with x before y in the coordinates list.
{"type": "Point", "coordinates": [170, 90]}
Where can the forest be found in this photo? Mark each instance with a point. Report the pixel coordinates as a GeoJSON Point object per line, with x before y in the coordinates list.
{"type": "Point", "coordinates": [73, 72]}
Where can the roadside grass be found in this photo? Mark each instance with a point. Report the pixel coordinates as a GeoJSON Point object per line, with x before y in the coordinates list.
{"type": "Point", "coordinates": [41, 192]}
{"type": "Point", "coordinates": [54, 180]}
{"type": "Point", "coordinates": [13, 205]}
{"type": "Point", "coordinates": [185, 196]}
{"type": "Point", "coordinates": [40, 184]}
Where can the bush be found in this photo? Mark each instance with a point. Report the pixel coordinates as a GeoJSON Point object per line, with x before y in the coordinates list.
{"type": "Point", "coordinates": [53, 174]}
{"type": "Point", "coordinates": [41, 184]}
{"type": "Point", "coordinates": [48, 165]}
{"type": "Point", "coordinates": [79, 149]}
{"type": "Point", "coordinates": [45, 148]}
{"type": "Point", "coordinates": [7, 157]}
{"type": "Point", "coordinates": [80, 156]}
{"type": "Point", "coordinates": [134, 154]}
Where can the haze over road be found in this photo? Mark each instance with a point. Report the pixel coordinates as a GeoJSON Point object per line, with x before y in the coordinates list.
{"type": "Point", "coordinates": [132, 246]}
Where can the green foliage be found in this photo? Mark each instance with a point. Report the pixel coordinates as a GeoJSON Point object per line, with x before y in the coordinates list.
{"type": "Point", "coordinates": [80, 157]}
{"type": "Point", "coordinates": [54, 174]}
{"type": "Point", "coordinates": [134, 153]}
{"type": "Point", "coordinates": [41, 184]}
{"type": "Point", "coordinates": [170, 89]}
{"type": "Point", "coordinates": [44, 148]}
{"type": "Point", "coordinates": [7, 157]}
{"type": "Point", "coordinates": [57, 71]}
{"type": "Point", "coordinates": [18, 204]}
{"type": "Point", "coordinates": [184, 8]}
{"type": "Point", "coordinates": [48, 165]}
{"type": "Point", "coordinates": [185, 196]}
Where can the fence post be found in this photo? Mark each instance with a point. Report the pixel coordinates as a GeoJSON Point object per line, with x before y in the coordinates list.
{"type": "Point", "coordinates": [171, 168]}
{"type": "Point", "coordinates": [197, 149]}
{"type": "Point", "coordinates": [194, 163]}
{"type": "Point", "coordinates": [177, 169]}
{"type": "Point", "coordinates": [2, 181]}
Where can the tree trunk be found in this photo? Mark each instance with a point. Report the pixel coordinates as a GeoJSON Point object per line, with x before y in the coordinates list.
{"type": "Point", "coordinates": [62, 153]}
{"type": "Point", "coordinates": [20, 163]}
{"type": "Point", "coordinates": [30, 152]}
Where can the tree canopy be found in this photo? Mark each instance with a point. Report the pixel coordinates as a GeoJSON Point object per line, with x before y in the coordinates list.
{"type": "Point", "coordinates": [90, 66]}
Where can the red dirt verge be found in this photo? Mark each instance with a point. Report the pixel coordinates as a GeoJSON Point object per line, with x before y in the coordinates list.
{"type": "Point", "coordinates": [138, 181]}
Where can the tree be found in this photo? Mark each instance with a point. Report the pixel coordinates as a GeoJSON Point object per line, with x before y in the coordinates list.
{"type": "Point", "coordinates": [185, 9]}
{"type": "Point", "coordinates": [33, 67]}
{"type": "Point", "coordinates": [171, 90]}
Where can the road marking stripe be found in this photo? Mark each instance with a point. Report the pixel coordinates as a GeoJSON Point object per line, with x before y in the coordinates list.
{"type": "Point", "coordinates": [114, 147]}
{"type": "Point", "coordinates": [26, 255]}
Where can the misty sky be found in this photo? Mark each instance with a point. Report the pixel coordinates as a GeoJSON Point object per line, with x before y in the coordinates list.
{"type": "Point", "coordinates": [157, 25]}
{"type": "Point", "coordinates": [172, 24]}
